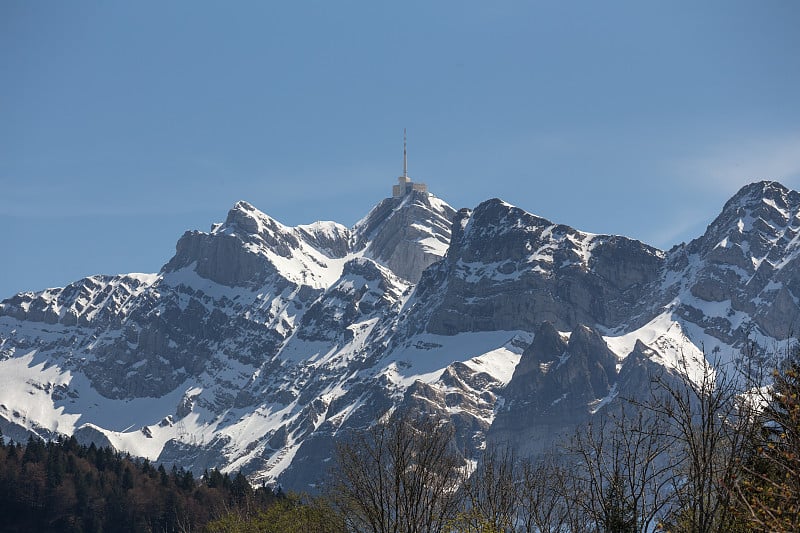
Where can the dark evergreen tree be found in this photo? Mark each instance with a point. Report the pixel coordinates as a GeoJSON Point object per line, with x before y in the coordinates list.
{"type": "Point", "coordinates": [34, 450]}
{"type": "Point", "coordinates": [619, 513]}
{"type": "Point", "coordinates": [62, 486]}
{"type": "Point", "coordinates": [163, 475]}
{"type": "Point", "coordinates": [127, 478]}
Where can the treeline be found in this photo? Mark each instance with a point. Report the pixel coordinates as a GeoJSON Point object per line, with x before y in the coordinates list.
{"type": "Point", "coordinates": [64, 486]}
{"type": "Point", "coordinates": [717, 454]}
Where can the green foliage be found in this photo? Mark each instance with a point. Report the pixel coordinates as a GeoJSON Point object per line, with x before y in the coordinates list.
{"type": "Point", "coordinates": [292, 514]}
{"type": "Point", "coordinates": [472, 521]}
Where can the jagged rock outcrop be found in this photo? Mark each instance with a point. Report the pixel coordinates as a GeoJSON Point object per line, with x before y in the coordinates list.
{"type": "Point", "coordinates": [746, 263]}
{"type": "Point", "coordinates": [251, 248]}
{"type": "Point", "coordinates": [96, 300]}
{"type": "Point", "coordinates": [364, 289]}
{"type": "Point", "coordinates": [407, 234]}
{"type": "Point", "coordinates": [252, 315]}
{"type": "Point", "coordinates": [555, 387]}
{"type": "Point", "coordinates": [259, 345]}
{"type": "Point", "coordinates": [508, 269]}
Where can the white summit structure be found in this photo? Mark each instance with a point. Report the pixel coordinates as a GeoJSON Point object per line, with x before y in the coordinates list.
{"type": "Point", "coordinates": [404, 183]}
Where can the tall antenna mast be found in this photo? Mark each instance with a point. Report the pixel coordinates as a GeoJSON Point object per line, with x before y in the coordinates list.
{"type": "Point", "coordinates": [405, 155]}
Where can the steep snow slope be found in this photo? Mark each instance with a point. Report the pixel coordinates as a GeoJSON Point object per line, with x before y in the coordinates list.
{"type": "Point", "coordinates": [240, 341]}
{"type": "Point", "coordinates": [406, 234]}
{"type": "Point", "coordinates": [258, 345]}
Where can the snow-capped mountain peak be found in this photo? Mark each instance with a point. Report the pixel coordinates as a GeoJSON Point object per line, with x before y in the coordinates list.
{"type": "Point", "coordinates": [259, 344]}
{"type": "Point", "coordinates": [406, 233]}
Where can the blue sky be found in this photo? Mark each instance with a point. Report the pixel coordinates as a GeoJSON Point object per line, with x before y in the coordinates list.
{"type": "Point", "coordinates": [123, 124]}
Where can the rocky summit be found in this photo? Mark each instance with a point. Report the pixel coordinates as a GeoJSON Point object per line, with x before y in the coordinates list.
{"type": "Point", "coordinates": [258, 345]}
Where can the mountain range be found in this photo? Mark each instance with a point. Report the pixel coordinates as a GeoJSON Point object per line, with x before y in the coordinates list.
{"type": "Point", "coordinates": [257, 346]}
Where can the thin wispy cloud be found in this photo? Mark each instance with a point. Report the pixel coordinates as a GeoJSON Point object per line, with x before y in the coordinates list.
{"type": "Point", "coordinates": [730, 165]}
{"type": "Point", "coordinates": [714, 172]}
{"type": "Point", "coordinates": [682, 226]}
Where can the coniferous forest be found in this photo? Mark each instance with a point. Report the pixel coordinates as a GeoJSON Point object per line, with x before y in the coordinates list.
{"type": "Point", "coordinates": [64, 486]}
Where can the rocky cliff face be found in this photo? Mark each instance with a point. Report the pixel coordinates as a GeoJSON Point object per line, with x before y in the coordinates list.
{"type": "Point", "coordinates": [560, 381]}
{"type": "Point", "coordinates": [507, 269]}
{"type": "Point", "coordinates": [735, 284]}
{"type": "Point", "coordinates": [406, 234]}
{"type": "Point", "coordinates": [747, 261]}
{"type": "Point", "coordinates": [258, 345]}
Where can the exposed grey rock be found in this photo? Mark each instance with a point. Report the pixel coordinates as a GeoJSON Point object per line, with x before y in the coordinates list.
{"type": "Point", "coordinates": [283, 340]}
{"type": "Point", "coordinates": [18, 428]}
{"type": "Point", "coordinates": [195, 457]}
{"type": "Point", "coordinates": [637, 374]}
{"type": "Point", "coordinates": [556, 387]}
{"type": "Point", "coordinates": [334, 239]}
{"type": "Point", "coordinates": [87, 435]}
{"type": "Point", "coordinates": [507, 269]}
{"type": "Point", "coordinates": [365, 289]}
{"type": "Point", "coordinates": [747, 260]}
{"type": "Point", "coordinates": [407, 234]}
{"type": "Point", "coordinates": [220, 258]}
{"type": "Point", "coordinates": [558, 379]}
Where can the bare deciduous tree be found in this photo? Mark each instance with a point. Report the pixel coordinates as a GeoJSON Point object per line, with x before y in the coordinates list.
{"type": "Point", "coordinates": [547, 497]}
{"type": "Point", "coordinates": [769, 488]}
{"type": "Point", "coordinates": [672, 460]}
{"type": "Point", "coordinates": [708, 425]}
{"type": "Point", "coordinates": [400, 476]}
{"type": "Point", "coordinates": [623, 477]}
{"type": "Point", "coordinates": [490, 496]}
